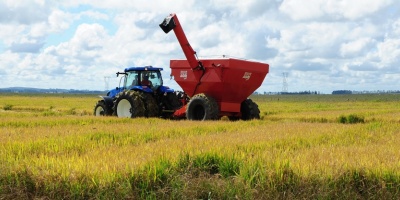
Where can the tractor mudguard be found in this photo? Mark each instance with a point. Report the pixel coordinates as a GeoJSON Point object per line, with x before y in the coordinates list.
{"type": "Point", "coordinates": [165, 89]}
{"type": "Point", "coordinates": [142, 88]}
{"type": "Point", "coordinates": [112, 93]}
{"type": "Point", "coordinates": [108, 101]}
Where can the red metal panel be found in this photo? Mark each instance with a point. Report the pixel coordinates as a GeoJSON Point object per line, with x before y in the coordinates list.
{"type": "Point", "coordinates": [229, 107]}
{"type": "Point", "coordinates": [181, 113]}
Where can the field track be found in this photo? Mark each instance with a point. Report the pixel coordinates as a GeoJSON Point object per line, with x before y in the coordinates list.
{"type": "Point", "coordinates": [304, 147]}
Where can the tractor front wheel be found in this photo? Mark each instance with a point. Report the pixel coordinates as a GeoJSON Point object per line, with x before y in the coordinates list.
{"type": "Point", "coordinates": [129, 104]}
{"type": "Point", "coordinates": [202, 107]}
{"type": "Point", "coordinates": [249, 110]}
{"type": "Point", "coordinates": [101, 109]}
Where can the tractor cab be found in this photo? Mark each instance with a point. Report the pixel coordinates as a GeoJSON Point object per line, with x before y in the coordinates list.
{"type": "Point", "coordinates": [146, 79]}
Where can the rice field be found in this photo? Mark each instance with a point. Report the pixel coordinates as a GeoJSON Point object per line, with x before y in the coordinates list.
{"type": "Point", "coordinates": [304, 147]}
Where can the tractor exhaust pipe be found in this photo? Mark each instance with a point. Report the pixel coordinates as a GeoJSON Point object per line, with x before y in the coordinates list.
{"type": "Point", "coordinates": [168, 24]}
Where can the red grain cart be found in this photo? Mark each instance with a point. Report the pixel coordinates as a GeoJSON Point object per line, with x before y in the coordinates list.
{"type": "Point", "coordinates": [217, 87]}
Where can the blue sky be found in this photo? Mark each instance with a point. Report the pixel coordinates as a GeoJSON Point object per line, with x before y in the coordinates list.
{"type": "Point", "coordinates": [323, 45]}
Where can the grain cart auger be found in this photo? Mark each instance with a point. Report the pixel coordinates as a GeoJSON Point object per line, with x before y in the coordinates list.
{"type": "Point", "coordinates": [217, 87]}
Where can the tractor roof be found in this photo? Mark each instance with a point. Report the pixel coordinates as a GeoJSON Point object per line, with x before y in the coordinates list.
{"type": "Point", "coordinates": [145, 68]}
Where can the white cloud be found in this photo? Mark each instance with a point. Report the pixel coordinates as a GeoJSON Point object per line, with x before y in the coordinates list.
{"type": "Point", "coordinates": [156, 6]}
{"type": "Point", "coordinates": [302, 10]}
{"type": "Point", "coordinates": [396, 28]}
{"type": "Point", "coordinates": [23, 12]}
{"type": "Point", "coordinates": [356, 48]}
{"type": "Point", "coordinates": [331, 9]}
{"type": "Point", "coordinates": [59, 20]}
{"type": "Point", "coordinates": [324, 45]}
{"type": "Point", "coordinates": [389, 52]}
{"type": "Point", "coordinates": [307, 41]}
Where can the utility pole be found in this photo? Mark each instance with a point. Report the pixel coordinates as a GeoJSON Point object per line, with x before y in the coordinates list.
{"type": "Point", "coordinates": [284, 82]}
{"type": "Point", "coordinates": [106, 81]}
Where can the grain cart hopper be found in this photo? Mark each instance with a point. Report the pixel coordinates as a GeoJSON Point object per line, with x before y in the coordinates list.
{"type": "Point", "coordinates": [217, 87]}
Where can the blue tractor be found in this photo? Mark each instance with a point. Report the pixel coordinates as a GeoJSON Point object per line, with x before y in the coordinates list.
{"type": "Point", "coordinates": [142, 94]}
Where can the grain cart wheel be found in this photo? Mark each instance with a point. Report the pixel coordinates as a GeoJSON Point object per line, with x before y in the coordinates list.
{"type": "Point", "coordinates": [150, 103]}
{"type": "Point", "coordinates": [249, 110]}
{"type": "Point", "coordinates": [129, 104]}
{"type": "Point", "coordinates": [202, 107]}
{"type": "Point", "coordinates": [101, 109]}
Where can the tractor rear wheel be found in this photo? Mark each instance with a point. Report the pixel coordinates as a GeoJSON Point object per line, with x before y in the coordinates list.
{"type": "Point", "coordinates": [249, 110]}
{"type": "Point", "coordinates": [101, 109]}
{"type": "Point", "coordinates": [202, 107]}
{"type": "Point", "coordinates": [171, 101]}
{"type": "Point", "coordinates": [129, 104]}
{"type": "Point", "coordinates": [152, 109]}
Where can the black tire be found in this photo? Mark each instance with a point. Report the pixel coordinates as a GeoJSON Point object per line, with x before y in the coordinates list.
{"type": "Point", "coordinates": [233, 118]}
{"type": "Point", "coordinates": [172, 101]}
{"type": "Point", "coordinates": [152, 109]}
{"type": "Point", "coordinates": [129, 104]}
{"type": "Point", "coordinates": [101, 109]}
{"type": "Point", "coordinates": [249, 110]}
{"type": "Point", "coordinates": [202, 107]}
{"type": "Point", "coordinates": [169, 101]}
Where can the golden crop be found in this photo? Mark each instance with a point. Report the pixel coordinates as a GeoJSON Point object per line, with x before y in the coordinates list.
{"type": "Point", "coordinates": [52, 145]}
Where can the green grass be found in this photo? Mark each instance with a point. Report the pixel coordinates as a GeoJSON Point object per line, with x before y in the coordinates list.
{"type": "Point", "coordinates": [318, 147]}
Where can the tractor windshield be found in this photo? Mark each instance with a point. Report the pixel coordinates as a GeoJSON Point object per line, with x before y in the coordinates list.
{"type": "Point", "coordinates": [154, 77]}
{"type": "Point", "coordinates": [151, 79]}
{"type": "Point", "coordinates": [132, 79]}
